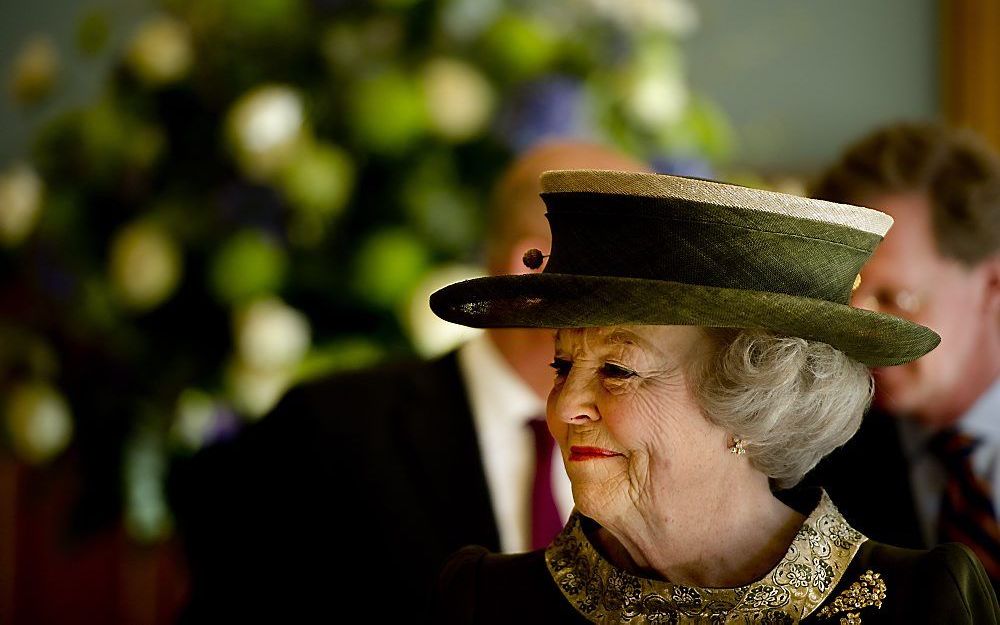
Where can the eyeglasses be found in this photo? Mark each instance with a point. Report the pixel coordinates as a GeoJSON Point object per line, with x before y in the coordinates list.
{"type": "Point", "coordinates": [889, 300]}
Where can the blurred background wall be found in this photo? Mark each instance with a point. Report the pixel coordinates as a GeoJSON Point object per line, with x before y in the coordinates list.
{"type": "Point", "coordinates": [203, 202]}
{"type": "Point", "coordinates": [801, 79]}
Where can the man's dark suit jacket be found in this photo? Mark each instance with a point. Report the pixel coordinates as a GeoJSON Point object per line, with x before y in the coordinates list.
{"type": "Point", "coordinates": [868, 480]}
{"type": "Point", "coordinates": [341, 505]}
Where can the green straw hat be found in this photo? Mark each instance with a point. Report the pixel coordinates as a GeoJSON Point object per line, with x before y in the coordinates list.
{"type": "Point", "coordinates": [650, 249]}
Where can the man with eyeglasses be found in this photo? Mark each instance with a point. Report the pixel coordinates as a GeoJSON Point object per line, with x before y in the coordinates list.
{"type": "Point", "coordinates": [925, 467]}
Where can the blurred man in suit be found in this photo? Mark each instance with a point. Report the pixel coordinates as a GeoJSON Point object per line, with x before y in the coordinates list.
{"type": "Point", "coordinates": [373, 478]}
{"type": "Point", "coordinates": [925, 467]}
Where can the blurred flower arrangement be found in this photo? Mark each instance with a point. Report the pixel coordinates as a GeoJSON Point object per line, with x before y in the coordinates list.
{"type": "Point", "coordinates": [267, 190]}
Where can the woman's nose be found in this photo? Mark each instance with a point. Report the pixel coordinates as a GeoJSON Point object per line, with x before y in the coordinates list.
{"type": "Point", "coordinates": [574, 400]}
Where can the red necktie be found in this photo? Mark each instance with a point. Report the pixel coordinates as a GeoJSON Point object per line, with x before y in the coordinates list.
{"type": "Point", "coordinates": [967, 514]}
{"type": "Point", "coordinates": [545, 519]}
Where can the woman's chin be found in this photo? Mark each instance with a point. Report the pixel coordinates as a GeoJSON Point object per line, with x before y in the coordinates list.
{"type": "Point", "coordinates": [594, 501]}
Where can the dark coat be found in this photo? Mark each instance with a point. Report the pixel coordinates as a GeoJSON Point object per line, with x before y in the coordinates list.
{"type": "Point", "coordinates": [869, 478]}
{"type": "Point", "coordinates": [342, 504]}
{"type": "Point", "coordinates": [944, 585]}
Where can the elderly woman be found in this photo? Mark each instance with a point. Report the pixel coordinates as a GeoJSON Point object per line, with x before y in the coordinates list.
{"type": "Point", "coordinates": [706, 357]}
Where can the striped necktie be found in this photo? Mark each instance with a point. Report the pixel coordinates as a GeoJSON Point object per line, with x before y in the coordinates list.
{"type": "Point", "coordinates": [545, 519]}
{"type": "Point", "coordinates": [967, 514]}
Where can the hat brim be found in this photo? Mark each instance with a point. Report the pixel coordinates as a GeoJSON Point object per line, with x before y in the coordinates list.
{"type": "Point", "coordinates": [552, 300]}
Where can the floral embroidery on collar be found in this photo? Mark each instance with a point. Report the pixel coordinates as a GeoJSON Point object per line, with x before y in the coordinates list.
{"type": "Point", "coordinates": [794, 589]}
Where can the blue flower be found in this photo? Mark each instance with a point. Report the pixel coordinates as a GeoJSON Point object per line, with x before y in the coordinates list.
{"type": "Point", "coordinates": [553, 106]}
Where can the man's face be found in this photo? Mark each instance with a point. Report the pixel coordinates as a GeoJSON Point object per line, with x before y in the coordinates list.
{"type": "Point", "coordinates": [908, 277]}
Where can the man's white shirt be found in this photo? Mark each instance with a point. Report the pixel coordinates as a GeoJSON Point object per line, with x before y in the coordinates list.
{"type": "Point", "coordinates": [502, 404]}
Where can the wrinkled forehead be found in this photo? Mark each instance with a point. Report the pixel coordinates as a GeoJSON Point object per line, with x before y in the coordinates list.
{"type": "Point", "coordinates": [604, 335]}
{"type": "Point", "coordinates": [652, 339]}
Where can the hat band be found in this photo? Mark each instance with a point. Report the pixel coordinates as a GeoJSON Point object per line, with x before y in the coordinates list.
{"type": "Point", "coordinates": [704, 244]}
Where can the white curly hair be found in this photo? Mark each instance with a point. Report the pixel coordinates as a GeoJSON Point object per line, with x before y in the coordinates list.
{"type": "Point", "coordinates": [792, 401]}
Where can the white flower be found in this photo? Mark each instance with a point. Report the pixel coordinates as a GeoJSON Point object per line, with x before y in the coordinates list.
{"type": "Point", "coordinates": [271, 335]}
{"type": "Point", "coordinates": [255, 391]}
{"type": "Point", "coordinates": [145, 265]}
{"type": "Point", "coordinates": [20, 203]}
{"type": "Point", "coordinates": [656, 99]}
{"type": "Point", "coordinates": [265, 127]}
{"type": "Point", "coordinates": [39, 422]}
{"type": "Point", "coordinates": [459, 99]}
{"type": "Point", "coordinates": [160, 51]}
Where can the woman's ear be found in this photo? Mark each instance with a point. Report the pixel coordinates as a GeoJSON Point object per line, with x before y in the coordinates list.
{"type": "Point", "coordinates": [515, 259]}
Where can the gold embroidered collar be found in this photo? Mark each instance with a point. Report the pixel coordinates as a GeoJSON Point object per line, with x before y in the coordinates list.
{"type": "Point", "coordinates": [794, 589]}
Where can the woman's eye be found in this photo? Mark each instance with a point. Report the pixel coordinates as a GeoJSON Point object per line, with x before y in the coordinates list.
{"type": "Point", "coordinates": [617, 372]}
{"type": "Point", "coordinates": [561, 366]}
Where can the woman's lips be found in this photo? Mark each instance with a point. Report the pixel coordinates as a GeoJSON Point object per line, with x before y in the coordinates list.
{"type": "Point", "coordinates": [590, 453]}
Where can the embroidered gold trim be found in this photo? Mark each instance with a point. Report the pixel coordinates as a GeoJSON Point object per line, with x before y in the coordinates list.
{"type": "Point", "coordinates": [868, 591]}
{"type": "Point", "coordinates": [794, 589]}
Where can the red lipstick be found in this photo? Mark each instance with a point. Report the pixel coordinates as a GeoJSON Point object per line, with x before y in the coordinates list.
{"type": "Point", "coordinates": [578, 453]}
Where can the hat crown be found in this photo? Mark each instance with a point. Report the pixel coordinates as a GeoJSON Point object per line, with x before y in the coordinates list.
{"type": "Point", "coordinates": [649, 185]}
{"type": "Point", "coordinates": [657, 227]}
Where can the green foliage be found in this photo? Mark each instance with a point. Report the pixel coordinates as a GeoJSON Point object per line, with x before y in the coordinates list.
{"type": "Point", "coordinates": [386, 112]}
{"type": "Point", "coordinates": [388, 265]}
{"type": "Point", "coordinates": [92, 32]}
{"type": "Point", "coordinates": [247, 265]}
{"type": "Point", "coordinates": [312, 159]}
{"type": "Point", "coordinates": [520, 46]}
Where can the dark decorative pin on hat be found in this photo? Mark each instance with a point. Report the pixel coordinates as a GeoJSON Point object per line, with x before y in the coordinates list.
{"type": "Point", "coordinates": [638, 248]}
{"type": "Point", "coordinates": [533, 258]}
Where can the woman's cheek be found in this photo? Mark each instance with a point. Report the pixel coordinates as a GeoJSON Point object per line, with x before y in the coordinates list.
{"type": "Point", "coordinates": [558, 429]}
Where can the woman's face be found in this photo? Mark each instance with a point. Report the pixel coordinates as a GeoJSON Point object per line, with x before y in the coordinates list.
{"type": "Point", "coordinates": [631, 432]}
